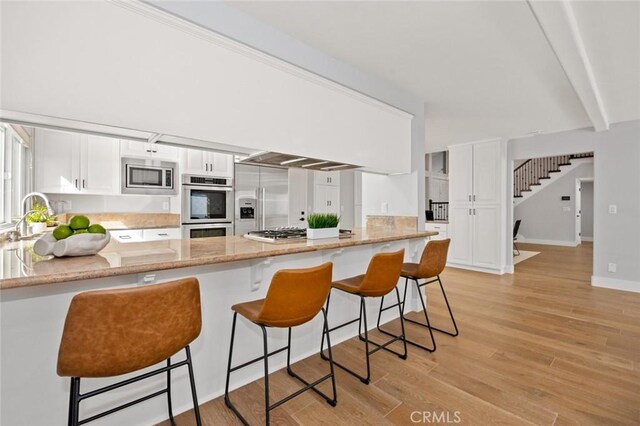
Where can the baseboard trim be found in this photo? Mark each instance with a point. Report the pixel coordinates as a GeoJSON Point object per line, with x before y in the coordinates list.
{"type": "Point", "coordinates": [509, 269]}
{"type": "Point", "coordinates": [547, 242]}
{"type": "Point", "coordinates": [477, 269]}
{"type": "Point", "coordinates": [587, 239]}
{"type": "Point", "coordinates": [615, 284]}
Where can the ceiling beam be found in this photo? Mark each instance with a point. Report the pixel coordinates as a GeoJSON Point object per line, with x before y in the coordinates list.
{"type": "Point", "coordinates": [558, 23]}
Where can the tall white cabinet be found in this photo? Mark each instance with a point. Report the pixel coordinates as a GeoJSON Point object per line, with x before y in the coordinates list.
{"type": "Point", "coordinates": [477, 196]}
{"type": "Point", "coordinates": [326, 192]}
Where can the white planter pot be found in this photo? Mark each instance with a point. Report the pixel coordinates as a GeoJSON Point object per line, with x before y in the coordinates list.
{"type": "Point", "coordinates": [38, 227]}
{"type": "Point", "coordinates": [316, 234]}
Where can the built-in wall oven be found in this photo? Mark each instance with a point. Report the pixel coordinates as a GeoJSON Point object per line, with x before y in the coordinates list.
{"type": "Point", "coordinates": [207, 206]}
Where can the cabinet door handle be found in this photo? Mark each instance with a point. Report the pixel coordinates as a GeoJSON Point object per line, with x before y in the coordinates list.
{"type": "Point", "coordinates": [83, 185]}
{"type": "Point", "coordinates": [469, 212]}
{"type": "Point", "coordinates": [474, 212]}
{"type": "Point", "coordinates": [474, 197]}
{"type": "Point", "coordinates": [125, 237]}
{"type": "Point", "coordinates": [469, 197]}
{"type": "Point", "coordinates": [77, 187]}
{"type": "Point", "coordinates": [163, 234]}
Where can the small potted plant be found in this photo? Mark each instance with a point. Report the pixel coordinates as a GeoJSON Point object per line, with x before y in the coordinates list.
{"type": "Point", "coordinates": [323, 225]}
{"type": "Point", "coordinates": [39, 219]}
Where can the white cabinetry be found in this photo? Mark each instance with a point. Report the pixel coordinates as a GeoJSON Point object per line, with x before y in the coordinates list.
{"type": "Point", "coordinates": [198, 162]}
{"type": "Point", "coordinates": [440, 228]}
{"type": "Point", "coordinates": [76, 163]}
{"type": "Point", "coordinates": [327, 178]}
{"type": "Point", "coordinates": [477, 179]}
{"type": "Point", "coordinates": [138, 235]}
{"type": "Point", "coordinates": [148, 150]}
{"type": "Point", "coordinates": [326, 199]}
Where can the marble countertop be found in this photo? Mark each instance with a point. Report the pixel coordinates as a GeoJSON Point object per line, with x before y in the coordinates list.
{"type": "Point", "coordinates": [23, 268]}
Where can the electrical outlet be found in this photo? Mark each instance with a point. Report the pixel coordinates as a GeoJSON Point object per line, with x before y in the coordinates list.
{"type": "Point", "coordinates": [613, 209]}
{"type": "Point", "coordinates": [612, 267]}
{"type": "Point", "coordinates": [165, 205]}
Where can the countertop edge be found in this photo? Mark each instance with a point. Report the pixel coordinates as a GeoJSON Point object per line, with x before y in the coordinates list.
{"type": "Point", "coordinates": [32, 281]}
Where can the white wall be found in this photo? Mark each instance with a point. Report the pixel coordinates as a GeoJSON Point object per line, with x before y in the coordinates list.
{"type": "Point", "coordinates": [616, 182]}
{"type": "Point", "coordinates": [546, 217]}
{"type": "Point", "coordinates": [161, 74]}
{"type": "Point", "coordinates": [586, 208]}
{"type": "Point", "coordinates": [404, 194]}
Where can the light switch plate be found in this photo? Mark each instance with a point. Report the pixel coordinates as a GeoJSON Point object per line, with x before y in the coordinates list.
{"type": "Point", "coordinates": [612, 267]}
{"type": "Point", "coordinates": [613, 209]}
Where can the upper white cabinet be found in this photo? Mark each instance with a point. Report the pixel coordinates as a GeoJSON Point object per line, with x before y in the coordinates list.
{"type": "Point", "coordinates": [477, 194]}
{"type": "Point", "coordinates": [148, 150]}
{"type": "Point", "coordinates": [327, 178]}
{"type": "Point", "coordinates": [76, 163]}
{"type": "Point", "coordinates": [198, 162]}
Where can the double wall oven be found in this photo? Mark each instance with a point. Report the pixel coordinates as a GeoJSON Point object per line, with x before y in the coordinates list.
{"type": "Point", "coordinates": [207, 206]}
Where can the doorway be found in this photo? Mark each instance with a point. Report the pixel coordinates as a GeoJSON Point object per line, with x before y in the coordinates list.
{"type": "Point", "coordinates": [584, 210]}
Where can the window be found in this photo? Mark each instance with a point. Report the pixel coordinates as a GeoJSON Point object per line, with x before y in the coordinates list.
{"type": "Point", "coordinates": [15, 169]}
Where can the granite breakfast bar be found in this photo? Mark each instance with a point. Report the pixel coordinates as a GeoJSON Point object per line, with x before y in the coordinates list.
{"type": "Point", "coordinates": [35, 294]}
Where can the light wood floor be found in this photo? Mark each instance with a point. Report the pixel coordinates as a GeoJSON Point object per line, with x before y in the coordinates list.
{"type": "Point", "coordinates": [540, 346]}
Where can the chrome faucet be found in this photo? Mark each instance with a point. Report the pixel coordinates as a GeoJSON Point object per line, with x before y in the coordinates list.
{"type": "Point", "coordinates": [24, 212]}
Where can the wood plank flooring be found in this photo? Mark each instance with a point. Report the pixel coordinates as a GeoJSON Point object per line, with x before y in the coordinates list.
{"type": "Point", "coordinates": [540, 346]}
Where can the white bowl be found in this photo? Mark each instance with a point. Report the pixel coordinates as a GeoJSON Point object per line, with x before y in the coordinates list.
{"type": "Point", "coordinates": [75, 245]}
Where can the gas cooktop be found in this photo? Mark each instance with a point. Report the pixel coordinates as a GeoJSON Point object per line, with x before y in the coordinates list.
{"type": "Point", "coordinates": [285, 235]}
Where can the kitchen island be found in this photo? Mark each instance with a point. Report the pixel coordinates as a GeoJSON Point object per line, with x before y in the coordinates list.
{"type": "Point", "coordinates": [35, 293]}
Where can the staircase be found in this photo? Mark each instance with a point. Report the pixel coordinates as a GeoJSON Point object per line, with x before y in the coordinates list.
{"type": "Point", "coordinates": [535, 173]}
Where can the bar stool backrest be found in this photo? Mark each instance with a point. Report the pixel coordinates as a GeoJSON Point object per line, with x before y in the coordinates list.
{"type": "Point", "coordinates": [295, 296]}
{"type": "Point", "coordinates": [382, 274]}
{"type": "Point", "coordinates": [113, 332]}
{"type": "Point", "coordinates": [434, 258]}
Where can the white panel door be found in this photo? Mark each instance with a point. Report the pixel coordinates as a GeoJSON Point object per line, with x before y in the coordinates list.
{"type": "Point", "coordinates": [164, 152]}
{"type": "Point", "coordinates": [486, 172]}
{"type": "Point", "coordinates": [486, 236]}
{"type": "Point", "coordinates": [57, 156]}
{"type": "Point", "coordinates": [320, 199]}
{"type": "Point", "coordinates": [134, 148]}
{"type": "Point", "coordinates": [298, 179]}
{"type": "Point", "coordinates": [221, 164]}
{"type": "Point", "coordinates": [193, 162]}
{"type": "Point", "coordinates": [333, 199]}
{"type": "Point", "coordinates": [460, 174]}
{"type": "Point", "coordinates": [460, 232]}
{"type": "Point", "coordinates": [100, 165]}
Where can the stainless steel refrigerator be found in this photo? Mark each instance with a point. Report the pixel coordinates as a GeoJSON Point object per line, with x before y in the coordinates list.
{"type": "Point", "coordinates": [262, 198]}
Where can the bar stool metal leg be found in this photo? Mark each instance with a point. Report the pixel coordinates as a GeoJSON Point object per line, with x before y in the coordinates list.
{"type": "Point", "coordinates": [362, 320]}
{"type": "Point", "coordinates": [265, 357]}
{"type": "Point", "coordinates": [171, 419]}
{"type": "Point", "coordinates": [401, 305]}
{"type": "Point", "coordinates": [194, 396]}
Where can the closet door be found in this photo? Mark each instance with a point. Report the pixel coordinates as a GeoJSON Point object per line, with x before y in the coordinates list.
{"type": "Point", "coordinates": [486, 236]}
{"type": "Point", "coordinates": [460, 174]}
{"type": "Point", "coordinates": [486, 172]}
{"type": "Point", "coordinates": [460, 232]}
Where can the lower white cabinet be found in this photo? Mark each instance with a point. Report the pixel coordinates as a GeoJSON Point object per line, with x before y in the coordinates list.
{"type": "Point", "coordinates": [475, 236]}
{"type": "Point", "coordinates": [138, 235]}
{"type": "Point", "coordinates": [460, 231]}
{"type": "Point", "coordinates": [127, 235]}
{"type": "Point", "coordinates": [161, 234]}
{"type": "Point", "coordinates": [440, 228]}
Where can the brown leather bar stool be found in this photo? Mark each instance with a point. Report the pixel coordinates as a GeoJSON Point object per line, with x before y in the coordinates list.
{"type": "Point", "coordinates": [112, 332]}
{"type": "Point", "coordinates": [432, 263]}
{"type": "Point", "coordinates": [381, 278]}
{"type": "Point", "coordinates": [295, 297]}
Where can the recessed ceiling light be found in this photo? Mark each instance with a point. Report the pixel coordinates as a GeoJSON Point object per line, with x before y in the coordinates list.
{"type": "Point", "coordinates": [335, 167]}
{"type": "Point", "coordinates": [315, 164]}
{"type": "Point", "coordinates": [295, 160]}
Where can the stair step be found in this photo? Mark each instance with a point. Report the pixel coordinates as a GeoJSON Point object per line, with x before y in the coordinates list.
{"type": "Point", "coordinates": [564, 164]}
{"type": "Point", "coordinates": [535, 184]}
{"type": "Point", "coordinates": [517, 196]}
{"type": "Point", "coordinates": [525, 190]}
{"type": "Point", "coordinates": [554, 171]}
{"type": "Point", "coordinates": [544, 177]}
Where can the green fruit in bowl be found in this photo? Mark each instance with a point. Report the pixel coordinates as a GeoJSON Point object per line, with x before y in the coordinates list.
{"type": "Point", "coordinates": [96, 229]}
{"type": "Point", "coordinates": [79, 222]}
{"type": "Point", "coordinates": [81, 231]}
{"type": "Point", "coordinates": [63, 231]}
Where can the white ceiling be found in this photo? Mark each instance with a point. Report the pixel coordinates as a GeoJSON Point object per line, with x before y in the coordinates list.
{"type": "Point", "coordinates": [483, 68]}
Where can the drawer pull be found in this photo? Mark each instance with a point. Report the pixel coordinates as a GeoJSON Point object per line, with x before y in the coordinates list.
{"type": "Point", "coordinates": [164, 234]}
{"type": "Point", "coordinates": [125, 237]}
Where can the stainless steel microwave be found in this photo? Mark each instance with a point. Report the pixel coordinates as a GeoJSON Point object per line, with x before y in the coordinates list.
{"type": "Point", "coordinates": [149, 177]}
